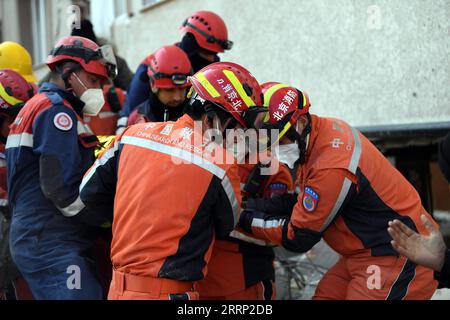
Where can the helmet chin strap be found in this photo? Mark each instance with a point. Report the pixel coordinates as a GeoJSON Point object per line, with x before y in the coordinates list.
{"type": "Point", "coordinates": [66, 75]}
{"type": "Point", "coordinates": [302, 140]}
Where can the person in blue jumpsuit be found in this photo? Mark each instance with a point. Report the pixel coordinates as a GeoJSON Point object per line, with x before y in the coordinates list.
{"type": "Point", "coordinates": [205, 35]}
{"type": "Point", "coordinates": [48, 151]}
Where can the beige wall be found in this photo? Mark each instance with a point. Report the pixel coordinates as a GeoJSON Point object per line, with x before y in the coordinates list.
{"type": "Point", "coordinates": [15, 23]}
{"type": "Point", "coordinates": [367, 62]}
{"type": "Point", "coordinates": [386, 64]}
{"type": "Point", "coordinates": [9, 24]}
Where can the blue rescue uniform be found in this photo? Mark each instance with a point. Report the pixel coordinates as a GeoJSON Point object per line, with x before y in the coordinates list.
{"type": "Point", "coordinates": [48, 151]}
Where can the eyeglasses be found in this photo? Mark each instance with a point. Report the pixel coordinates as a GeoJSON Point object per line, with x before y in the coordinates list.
{"type": "Point", "coordinates": [225, 44]}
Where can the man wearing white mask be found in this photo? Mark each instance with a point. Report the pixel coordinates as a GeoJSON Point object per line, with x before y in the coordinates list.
{"type": "Point", "coordinates": [348, 192]}
{"type": "Point", "coordinates": [48, 151]}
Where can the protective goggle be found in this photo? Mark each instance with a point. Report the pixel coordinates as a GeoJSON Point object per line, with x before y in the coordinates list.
{"type": "Point", "coordinates": [177, 78]}
{"type": "Point", "coordinates": [253, 117]}
{"type": "Point", "coordinates": [105, 55]}
{"type": "Point", "coordinates": [225, 44]}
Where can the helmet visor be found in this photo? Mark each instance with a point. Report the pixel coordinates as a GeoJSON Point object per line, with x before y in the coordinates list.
{"type": "Point", "coordinates": [105, 55]}
{"type": "Point", "coordinates": [108, 58]}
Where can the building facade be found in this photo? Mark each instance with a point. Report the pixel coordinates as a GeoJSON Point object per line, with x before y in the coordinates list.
{"type": "Point", "coordinates": [383, 66]}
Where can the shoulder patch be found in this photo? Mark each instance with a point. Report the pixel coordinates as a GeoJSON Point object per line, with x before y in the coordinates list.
{"type": "Point", "coordinates": [63, 121]}
{"type": "Point", "coordinates": [310, 199]}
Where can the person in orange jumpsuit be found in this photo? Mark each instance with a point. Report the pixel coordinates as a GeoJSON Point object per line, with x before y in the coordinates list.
{"type": "Point", "coordinates": [348, 193]}
{"type": "Point", "coordinates": [242, 267]}
{"type": "Point", "coordinates": [14, 92]}
{"type": "Point", "coordinates": [170, 192]}
{"type": "Point", "coordinates": [104, 123]}
{"type": "Point", "coordinates": [238, 269]}
{"type": "Point", "coordinates": [168, 69]}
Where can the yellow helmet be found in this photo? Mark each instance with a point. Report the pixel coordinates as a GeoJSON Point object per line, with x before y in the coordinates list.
{"type": "Point", "coordinates": [105, 142]}
{"type": "Point", "coordinates": [15, 57]}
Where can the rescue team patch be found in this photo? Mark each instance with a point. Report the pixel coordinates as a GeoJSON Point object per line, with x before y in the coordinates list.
{"type": "Point", "coordinates": [63, 121]}
{"type": "Point", "coordinates": [278, 187]}
{"type": "Point", "coordinates": [310, 199]}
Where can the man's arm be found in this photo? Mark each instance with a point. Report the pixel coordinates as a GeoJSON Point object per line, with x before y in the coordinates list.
{"type": "Point", "coordinates": [60, 162]}
{"type": "Point", "coordinates": [319, 203]}
{"type": "Point", "coordinates": [277, 200]}
{"type": "Point", "coordinates": [56, 142]}
{"type": "Point", "coordinates": [98, 187]}
{"type": "Point", "coordinates": [138, 92]}
{"type": "Point", "coordinates": [278, 205]}
{"type": "Point", "coordinates": [227, 208]}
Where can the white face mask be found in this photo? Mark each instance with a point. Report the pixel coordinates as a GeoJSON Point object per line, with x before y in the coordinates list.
{"type": "Point", "coordinates": [288, 154]}
{"type": "Point", "coordinates": [93, 100]}
{"type": "Point", "coordinates": [240, 148]}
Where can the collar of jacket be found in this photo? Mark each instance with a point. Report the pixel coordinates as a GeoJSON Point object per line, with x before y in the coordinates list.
{"type": "Point", "coordinates": [74, 101]}
{"type": "Point", "coordinates": [154, 110]}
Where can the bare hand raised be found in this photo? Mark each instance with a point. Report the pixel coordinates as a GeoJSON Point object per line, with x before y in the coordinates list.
{"type": "Point", "coordinates": [428, 251]}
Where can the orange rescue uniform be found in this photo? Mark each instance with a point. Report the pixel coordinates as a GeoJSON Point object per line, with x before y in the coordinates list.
{"type": "Point", "coordinates": [171, 198]}
{"type": "Point", "coordinates": [348, 193]}
{"type": "Point", "coordinates": [241, 267]}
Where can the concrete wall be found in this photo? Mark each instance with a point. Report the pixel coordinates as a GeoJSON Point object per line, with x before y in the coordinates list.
{"type": "Point", "coordinates": [103, 13]}
{"type": "Point", "coordinates": [17, 24]}
{"type": "Point", "coordinates": [60, 17]}
{"type": "Point", "coordinates": [369, 62]}
{"type": "Point", "coordinates": [10, 27]}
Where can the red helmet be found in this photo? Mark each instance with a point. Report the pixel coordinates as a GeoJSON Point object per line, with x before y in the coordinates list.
{"type": "Point", "coordinates": [169, 67]}
{"type": "Point", "coordinates": [286, 104]}
{"type": "Point", "coordinates": [232, 88]}
{"type": "Point", "coordinates": [209, 30]}
{"type": "Point", "coordinates": [14, 91]}
{"type": "Point", "coordinates": [92, 58]}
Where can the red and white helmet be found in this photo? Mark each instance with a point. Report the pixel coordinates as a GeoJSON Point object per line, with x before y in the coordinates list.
{"type": "Point", "coordinates": [209, 30]}
{"type": "Point", "coordinates": [231, 87]}
{"type": "Point", "coordinates": [14, 92]}
{"type": "Point", "coordinates": [286, 104]}
{"type": "Point", "coordinates": [169, 67]}
{"type": "Point", "coordinates": [92, 58]}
